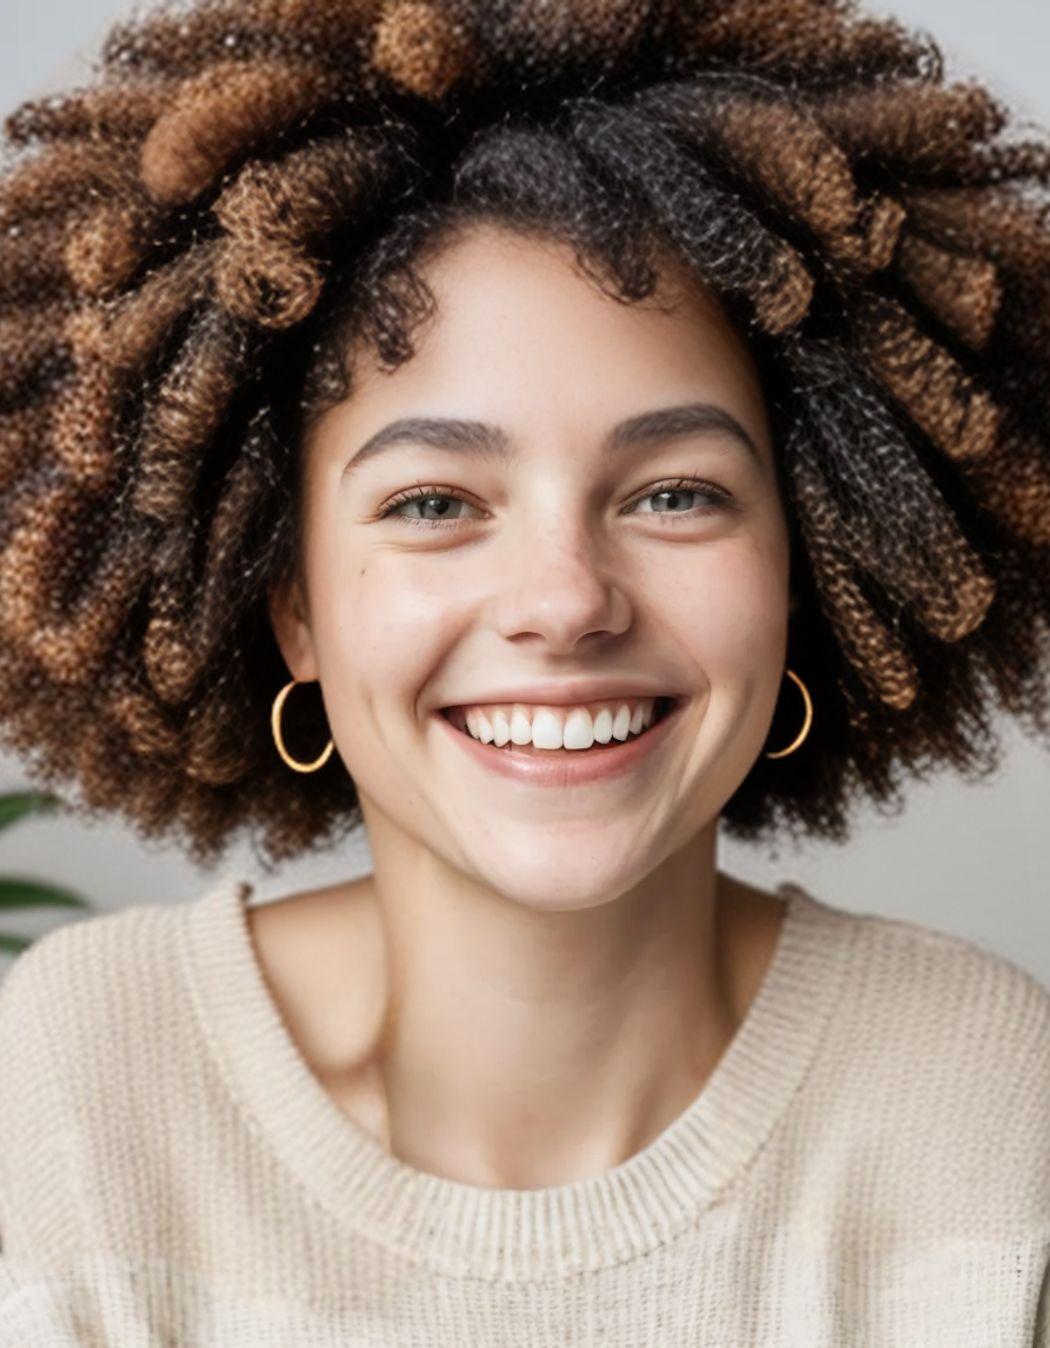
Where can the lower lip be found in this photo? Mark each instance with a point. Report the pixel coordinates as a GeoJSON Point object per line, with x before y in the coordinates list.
{"type": "Point", "coordinates": [567, 767]}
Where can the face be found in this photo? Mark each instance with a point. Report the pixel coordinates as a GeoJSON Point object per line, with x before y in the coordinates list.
{"type": "Point", "coordinates": [556, 552]}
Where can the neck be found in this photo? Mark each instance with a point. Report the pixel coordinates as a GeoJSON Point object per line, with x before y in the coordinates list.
{"type": "Point", "coordinates": [521, 1049]}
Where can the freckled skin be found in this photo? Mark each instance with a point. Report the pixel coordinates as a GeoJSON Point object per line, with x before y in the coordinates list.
{"type": "Point", "coordinates": [535, 930]}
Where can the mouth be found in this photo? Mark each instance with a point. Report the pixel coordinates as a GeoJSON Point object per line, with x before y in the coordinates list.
{"type": "Point", "coordinates": [662, 708]}
{"type": "Point", "coordinates": [632, 760]}
{"type": "Point", "coordinates": [626, 760]}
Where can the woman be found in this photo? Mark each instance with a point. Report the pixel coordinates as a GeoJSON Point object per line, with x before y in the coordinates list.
{"type": "Point", "coordinates": [631, 418]}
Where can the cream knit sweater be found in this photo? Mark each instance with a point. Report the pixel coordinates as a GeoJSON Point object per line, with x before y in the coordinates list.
{"type": "Point", "coordinates": [868, 1165]}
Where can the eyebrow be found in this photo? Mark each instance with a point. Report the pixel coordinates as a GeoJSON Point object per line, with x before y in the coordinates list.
{"type": "Point", "coordinates": [480, 440]}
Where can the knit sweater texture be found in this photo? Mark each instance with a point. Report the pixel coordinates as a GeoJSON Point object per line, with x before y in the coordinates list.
{"type": "Point", "coordinates": [867, 1165]}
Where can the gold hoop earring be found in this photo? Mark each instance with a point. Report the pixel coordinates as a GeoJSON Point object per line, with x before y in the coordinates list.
{"type": "Point", "coordinates": [278, 739]}
{"type": "Point", "coordinates": [782, 753]}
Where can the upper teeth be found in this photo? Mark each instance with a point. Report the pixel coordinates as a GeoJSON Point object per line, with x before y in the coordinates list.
{"type": "Point", "coordinates": [556, 727]}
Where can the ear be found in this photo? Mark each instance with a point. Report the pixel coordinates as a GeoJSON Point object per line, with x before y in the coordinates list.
{"type": "Point", "coordinates": [289, 617]}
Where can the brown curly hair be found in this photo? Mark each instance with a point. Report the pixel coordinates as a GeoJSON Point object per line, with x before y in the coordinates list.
{"type": "Point", "coordinates": [189, 243]}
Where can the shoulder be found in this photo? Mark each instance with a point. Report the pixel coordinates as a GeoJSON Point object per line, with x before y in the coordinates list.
{"type": "Point", "coordinates": [102, 1056]}
{"type": "Point", "coordinates": [953, 981]}
{"type": "Point", "coordinates": [933, 993]}
{"type": "Point", "coordinates": [105, 973]}
{"type": "Point", "coordinates": [948, 1045]}
{"type": "Point", "coordinates": [85, 1020]}
{"type": "Point", "coordinates": [71, 947]}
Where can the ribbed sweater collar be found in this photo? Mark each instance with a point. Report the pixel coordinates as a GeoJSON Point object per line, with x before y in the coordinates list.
{"type": "Point", "coordinates": [516, 1234]}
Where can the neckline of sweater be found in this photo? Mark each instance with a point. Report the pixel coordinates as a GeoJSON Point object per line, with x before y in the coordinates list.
{"type": "Point", "coordinates": [515, 1234]}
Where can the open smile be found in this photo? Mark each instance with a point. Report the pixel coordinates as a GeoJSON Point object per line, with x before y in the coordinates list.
{"type": "Point", "coordinates": [570, 767]}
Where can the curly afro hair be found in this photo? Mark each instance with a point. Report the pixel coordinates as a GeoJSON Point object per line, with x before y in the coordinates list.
{"type": "Point", "coordinates": [189, 242]}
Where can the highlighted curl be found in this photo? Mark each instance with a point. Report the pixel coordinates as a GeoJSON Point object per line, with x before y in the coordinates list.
{"type": "Point", "coordinates": [190, 241]}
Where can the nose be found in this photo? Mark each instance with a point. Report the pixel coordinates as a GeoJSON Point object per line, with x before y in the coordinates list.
{"type": "Point", "coordinates": [562, 590]}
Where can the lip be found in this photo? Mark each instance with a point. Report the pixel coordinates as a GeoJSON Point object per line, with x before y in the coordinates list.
{"type": "Point", "coordinates": [566, 693]}
{"type": "Point", "coordinates": [576, 767]}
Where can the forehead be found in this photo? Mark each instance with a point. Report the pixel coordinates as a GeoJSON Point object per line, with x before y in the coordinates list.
{"type": "Point", "coordinates": [520, 335]}
{"type": "Point", "coordinates": [492, 270]}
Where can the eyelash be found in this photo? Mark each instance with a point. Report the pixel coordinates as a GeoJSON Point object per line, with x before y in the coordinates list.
{"type": "Point", "coordinates": [696, 485]}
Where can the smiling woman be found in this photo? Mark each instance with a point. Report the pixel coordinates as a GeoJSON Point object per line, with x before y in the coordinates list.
{"type": "Point", "coordinates": [612, 511]}
{"type": "Point", "coordinates": [632, 415]}
{"type": "Point", "coordinates": [176, 351]}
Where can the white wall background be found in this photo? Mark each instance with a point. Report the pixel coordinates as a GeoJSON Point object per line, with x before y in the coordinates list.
{"type": "Point", "coordinates": [970, 859]}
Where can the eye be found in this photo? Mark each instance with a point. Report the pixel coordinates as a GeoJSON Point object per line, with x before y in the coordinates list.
{"type": "Point", "coordinates": [443, 498]}
{"type": "Point", "coordinates": [426, 496]}
{"type": "Point", "coordinates": [679, 490]}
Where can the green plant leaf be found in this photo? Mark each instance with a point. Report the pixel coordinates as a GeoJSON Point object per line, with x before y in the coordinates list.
{"type": "Point", "coordinates": [16, 805]}
{"type": "Point", "coordinates": [15, 944]}
{"type": "Point", "coordinates": [23, 892]}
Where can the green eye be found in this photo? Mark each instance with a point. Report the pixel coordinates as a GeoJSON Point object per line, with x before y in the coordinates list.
{"type": "Point", "coordinates": [426, 495]}
{"type": "Point", "coordinates": [716, 500]}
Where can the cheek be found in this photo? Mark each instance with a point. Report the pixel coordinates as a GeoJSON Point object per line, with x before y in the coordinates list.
{"type": "Point", "coordinates": [735, 612]}
{"type": "Point", "coordinates": [387, 622]}
{"type": "Point", "coordinates": [732, 608]}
